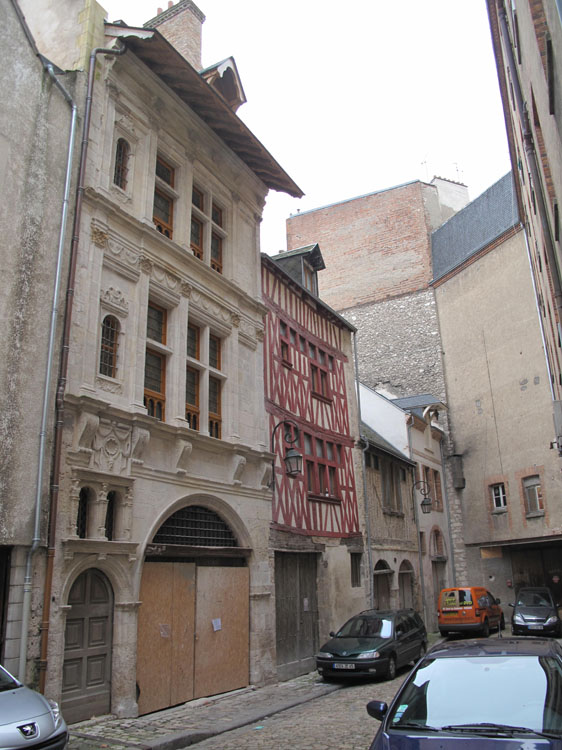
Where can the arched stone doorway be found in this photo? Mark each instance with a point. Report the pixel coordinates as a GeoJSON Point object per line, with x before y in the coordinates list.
{"type": "Point", "coordinates": [193, 625]}
{"type": "Point", "coordinates": [381, 579]}
{"type": "Point", "coordinates": [86, 681]}
{"type": "Point", "coordinates": [406, 585]}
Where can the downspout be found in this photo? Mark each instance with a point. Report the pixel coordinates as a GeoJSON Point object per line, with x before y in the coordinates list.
{"type": "Point", "coordinates": [533, 165]}
{"type": "Point", "coordinates": [26, 604]}
{"type": "Point", "coordinates": [449, 529]}
{"type": "Point", "coordinates": [63, 368]}
{"type": "Point", "coordinates": [365, 447]}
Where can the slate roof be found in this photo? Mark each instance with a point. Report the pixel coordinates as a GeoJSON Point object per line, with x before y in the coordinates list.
{"type": "Point", "coordinates": [474, 227]}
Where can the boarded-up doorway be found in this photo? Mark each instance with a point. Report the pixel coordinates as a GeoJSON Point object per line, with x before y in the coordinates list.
{"type": "Point", "coordinates": [86, 681]}
{"type": "Point", "coordinates": [296, 613]}
{"type": "Point", "coordinates": [193, 633]}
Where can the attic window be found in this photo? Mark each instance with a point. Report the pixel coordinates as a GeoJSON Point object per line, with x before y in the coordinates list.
{"type": "Point", "coordinates": [308, 278]}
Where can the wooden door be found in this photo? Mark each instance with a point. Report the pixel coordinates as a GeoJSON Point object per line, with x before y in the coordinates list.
{"type": "Point", "coordinates": [296, 613]}
{"type": "Point", "coordinates": [166, 627]}
{"type": "Point", "coordinates": [222, 628]}
{"type": "Point", "coordinates": [86, 681]}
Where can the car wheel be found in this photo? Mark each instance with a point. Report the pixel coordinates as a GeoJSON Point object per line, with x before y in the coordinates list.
{"type": "Point", "coordinates": [391, 669]}
{"type": "Point", "coordinates": [486, 629]}
{"type": "Point", "coordinates": [502, 623]}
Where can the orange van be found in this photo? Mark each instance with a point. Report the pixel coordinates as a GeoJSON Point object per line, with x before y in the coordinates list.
{"type": "Point", "coordinates": [471, 609]}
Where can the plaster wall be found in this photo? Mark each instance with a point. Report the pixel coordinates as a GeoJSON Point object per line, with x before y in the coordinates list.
{"type": "Point", "coordinates": [499, 395]}
{"type": "Point", "coordinates": [385, 418]}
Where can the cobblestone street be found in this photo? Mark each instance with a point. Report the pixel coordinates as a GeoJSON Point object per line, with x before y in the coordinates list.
{"type": "Point", "coordinates": [338, 720]}
{"type": "Point", "coordinates": [319, 720]}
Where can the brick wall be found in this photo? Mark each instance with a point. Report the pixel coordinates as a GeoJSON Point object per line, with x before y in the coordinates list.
{"type": "Point", "coordinates": [375, 247]}
{"type": "Point", "coordinates": [181, 24]}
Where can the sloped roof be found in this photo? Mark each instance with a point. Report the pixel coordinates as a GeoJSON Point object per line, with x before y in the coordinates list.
{"type": "Point", "coordinates": [175, 71]}
{"type": "Point", "coordinates": [379, 442]}
{"type": "Point", "coordinates": [474, 227]}
{"type": "Point", "coordinates": [312, 253]}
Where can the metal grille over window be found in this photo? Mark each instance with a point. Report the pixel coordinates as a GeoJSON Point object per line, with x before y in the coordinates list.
{"type": "Point", "coordinates": [197, 527]}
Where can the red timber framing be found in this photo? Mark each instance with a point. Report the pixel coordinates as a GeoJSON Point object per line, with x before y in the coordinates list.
{"type": "Point", "coordinates": [305, 368]}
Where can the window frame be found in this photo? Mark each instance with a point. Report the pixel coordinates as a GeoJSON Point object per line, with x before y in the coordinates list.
{"type": "Point", "coordinates": [528, 484]}
{"type": "Point", "coordinates": [121, 163]}
{"type": "Point", "coordinates": [209, 217]}
{"type": "Point", "coordinates": [498, 497]}
{"type": "Point", "coordinates": [109, 351]}
{"type": "Point", "coordinates": [321, 471]}
{"type": "Point", "coordinates": [164, 189]}
{"type": "Point", "coordinates": [215, 417]}
{"type": "Point", "coordinates": [155, 401]}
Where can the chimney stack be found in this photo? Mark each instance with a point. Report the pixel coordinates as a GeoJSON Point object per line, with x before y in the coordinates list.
{"type": "Point", "coordinates": [181, 24]}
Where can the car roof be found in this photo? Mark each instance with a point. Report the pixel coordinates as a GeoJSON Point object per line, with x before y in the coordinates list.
{"type": "Point", "coordinates": [496, 647]}
{"type": "Point", "coordinates": [533, 588]}
{"type": "Point", "coordinates": [386, 612]}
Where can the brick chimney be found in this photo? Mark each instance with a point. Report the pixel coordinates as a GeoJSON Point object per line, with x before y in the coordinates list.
{"type": "Point", "coordinates": [181, 24]}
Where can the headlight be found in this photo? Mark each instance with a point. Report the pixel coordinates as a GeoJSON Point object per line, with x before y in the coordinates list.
{"type": "Point", "coordinates": [518, 620]}
{"type": "Point", "coordinates": [324, 655]}
{"type": "Point", "coordinates": [369, 655]}
{"type": "Point", "coordinates": [552, 620]}
{"type": "Point", "coordinates": [55, 711]}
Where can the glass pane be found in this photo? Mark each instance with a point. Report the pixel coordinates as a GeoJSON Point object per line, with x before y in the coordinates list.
{"type": "Point", "coordinates": [162, 207]}
{"type": "Point", "coordinates": [214, 396]}
{"type": "Point", "coordinates": [217, 215]}
{"type": "Point", "coordinates": [155, 324]}
{"type": "Point", "coordinates": [197, 198]}
{"type": "Point", "coordinates": [214, 352]}
{"type": "Point", "coordinates": [193, 342]}
{"type": "Point", "coordinates": [319, 448]}
{"type": "Point", "coordinates": [192, 387]}
{"type": "Point", "coordinates": [307, 444]}
{"type": "Point", "coordinates": [153, 372]}
{"type": "Point", "coordinates": [165, 172]}
{"type": "Point", "coordinates": [216, 247]}
{"type": "Point", "coordinates": [196, 232]}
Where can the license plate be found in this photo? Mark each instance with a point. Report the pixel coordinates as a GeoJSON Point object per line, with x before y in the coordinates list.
{"type": "Point", "coordinates": [337, 665]}
{"type": "Point", "coordinates": [535, 627]}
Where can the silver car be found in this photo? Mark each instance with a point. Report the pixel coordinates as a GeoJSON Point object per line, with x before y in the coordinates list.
{"type": "Point", "coordinates": [27, 718]}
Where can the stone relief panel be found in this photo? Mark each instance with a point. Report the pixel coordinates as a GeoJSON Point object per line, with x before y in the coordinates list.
{"type": "Point", "coordinates": [111, 447]}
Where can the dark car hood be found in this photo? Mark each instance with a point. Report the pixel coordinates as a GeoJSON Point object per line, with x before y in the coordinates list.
{"type": "Point", "coordinates": [401, 741]}
{"type": "Point", "coordinates": [535, 613]}
{"type": "Point", "coordinates": [353, 646]}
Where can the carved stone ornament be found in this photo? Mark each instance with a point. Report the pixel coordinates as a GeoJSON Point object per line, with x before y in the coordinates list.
{"type": "Point", "coordinates": [260, 334]}
{"type": "Point", "coordinates": [86, 428]}
{"type": "Point", "coordinates": [183, 453]}
{"type": "Point", "coordinates": [146, 266]}
{"type": "Point", "coordinates": [238, 465]}
{"type": "Point", "coordinates": [140, 438]}
{"type": "Point", "coordinates": [108, 386]}
{"type": "Point", "coordinates": [115, 299]}
{"type": "Point", "coordinates": [186, 289]}
{"type": "Point", "coordinates": [99, 237]}
{"type": "Point", "coordinates": [235, 319]}
{"type": "Point", "coordinates": [112, 447]}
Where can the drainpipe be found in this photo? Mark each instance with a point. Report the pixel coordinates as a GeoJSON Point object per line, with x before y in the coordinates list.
{"type": "Point", "coordinates": [63, 368]}
{"type": "Point", "coordinates": [26, 604]}
{"type": "Point", "coordinates": [447, 505]}
{"type": "Point", "coordinates": [365, 447]}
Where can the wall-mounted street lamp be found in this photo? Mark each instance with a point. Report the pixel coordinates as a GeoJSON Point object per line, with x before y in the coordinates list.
{"type": "Point", "coordinates": [424, 489]}
{"type": "Point", "coordinates": [292, 458]}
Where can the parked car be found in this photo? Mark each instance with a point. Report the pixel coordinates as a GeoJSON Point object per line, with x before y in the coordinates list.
{"type": "Point", "coordinates": [27, 718]}
{"type": "Point", "coordinates": [480, 693]}
{"type": "Point", "coordinates": [535, 613]}
{"type": "Point", "coordinates": [373, 643]}
{"type": "Point", "coordinates": [468, 609]}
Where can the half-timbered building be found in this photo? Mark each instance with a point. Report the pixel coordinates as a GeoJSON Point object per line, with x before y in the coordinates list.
{"type": "Point", "coordinates": [315, 538]}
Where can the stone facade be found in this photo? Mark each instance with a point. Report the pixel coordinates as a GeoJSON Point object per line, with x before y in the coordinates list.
{"type": "Point", "coordinates": [162, 479]}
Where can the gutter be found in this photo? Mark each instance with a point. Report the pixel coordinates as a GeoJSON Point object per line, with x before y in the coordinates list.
{"type": "Point", "coordinates": [63, 368]}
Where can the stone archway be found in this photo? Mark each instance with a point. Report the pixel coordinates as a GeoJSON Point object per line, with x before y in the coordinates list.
{"type": "Point", "coordinates": [193, 624]}
{"type": "Point", "coordinates": [86, 681]}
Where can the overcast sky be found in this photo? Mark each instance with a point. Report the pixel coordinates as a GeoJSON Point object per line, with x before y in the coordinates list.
{"type": "Point", "coordinates": [355, 96]}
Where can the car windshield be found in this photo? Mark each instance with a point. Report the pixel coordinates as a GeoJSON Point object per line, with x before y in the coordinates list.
{"type": "Point", "coordinates": [368, 627]}
{"type": "Point", "coordinates": [513, 690]}
{"type": "Point", "coordinates": [534, 599]}
{"type": "Point", "coordinates": [7, 682]}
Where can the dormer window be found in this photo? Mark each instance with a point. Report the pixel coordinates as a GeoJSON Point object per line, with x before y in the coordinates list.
{"type": "Point", "coordinates": [309, 278]}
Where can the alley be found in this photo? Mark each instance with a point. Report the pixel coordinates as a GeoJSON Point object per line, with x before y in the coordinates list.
{"type": "Point", "coordinates": [337, 720]}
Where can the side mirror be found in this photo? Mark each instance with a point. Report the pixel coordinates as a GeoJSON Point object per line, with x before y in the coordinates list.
{"type": "Point", "coordinates": [511, 605]}
{"type": "Point", "coordinates": [332, 634]}
{"type": "Point", "coordinates": [498, 601]}
{"type": "Point", "coordinates": [377, 709]}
